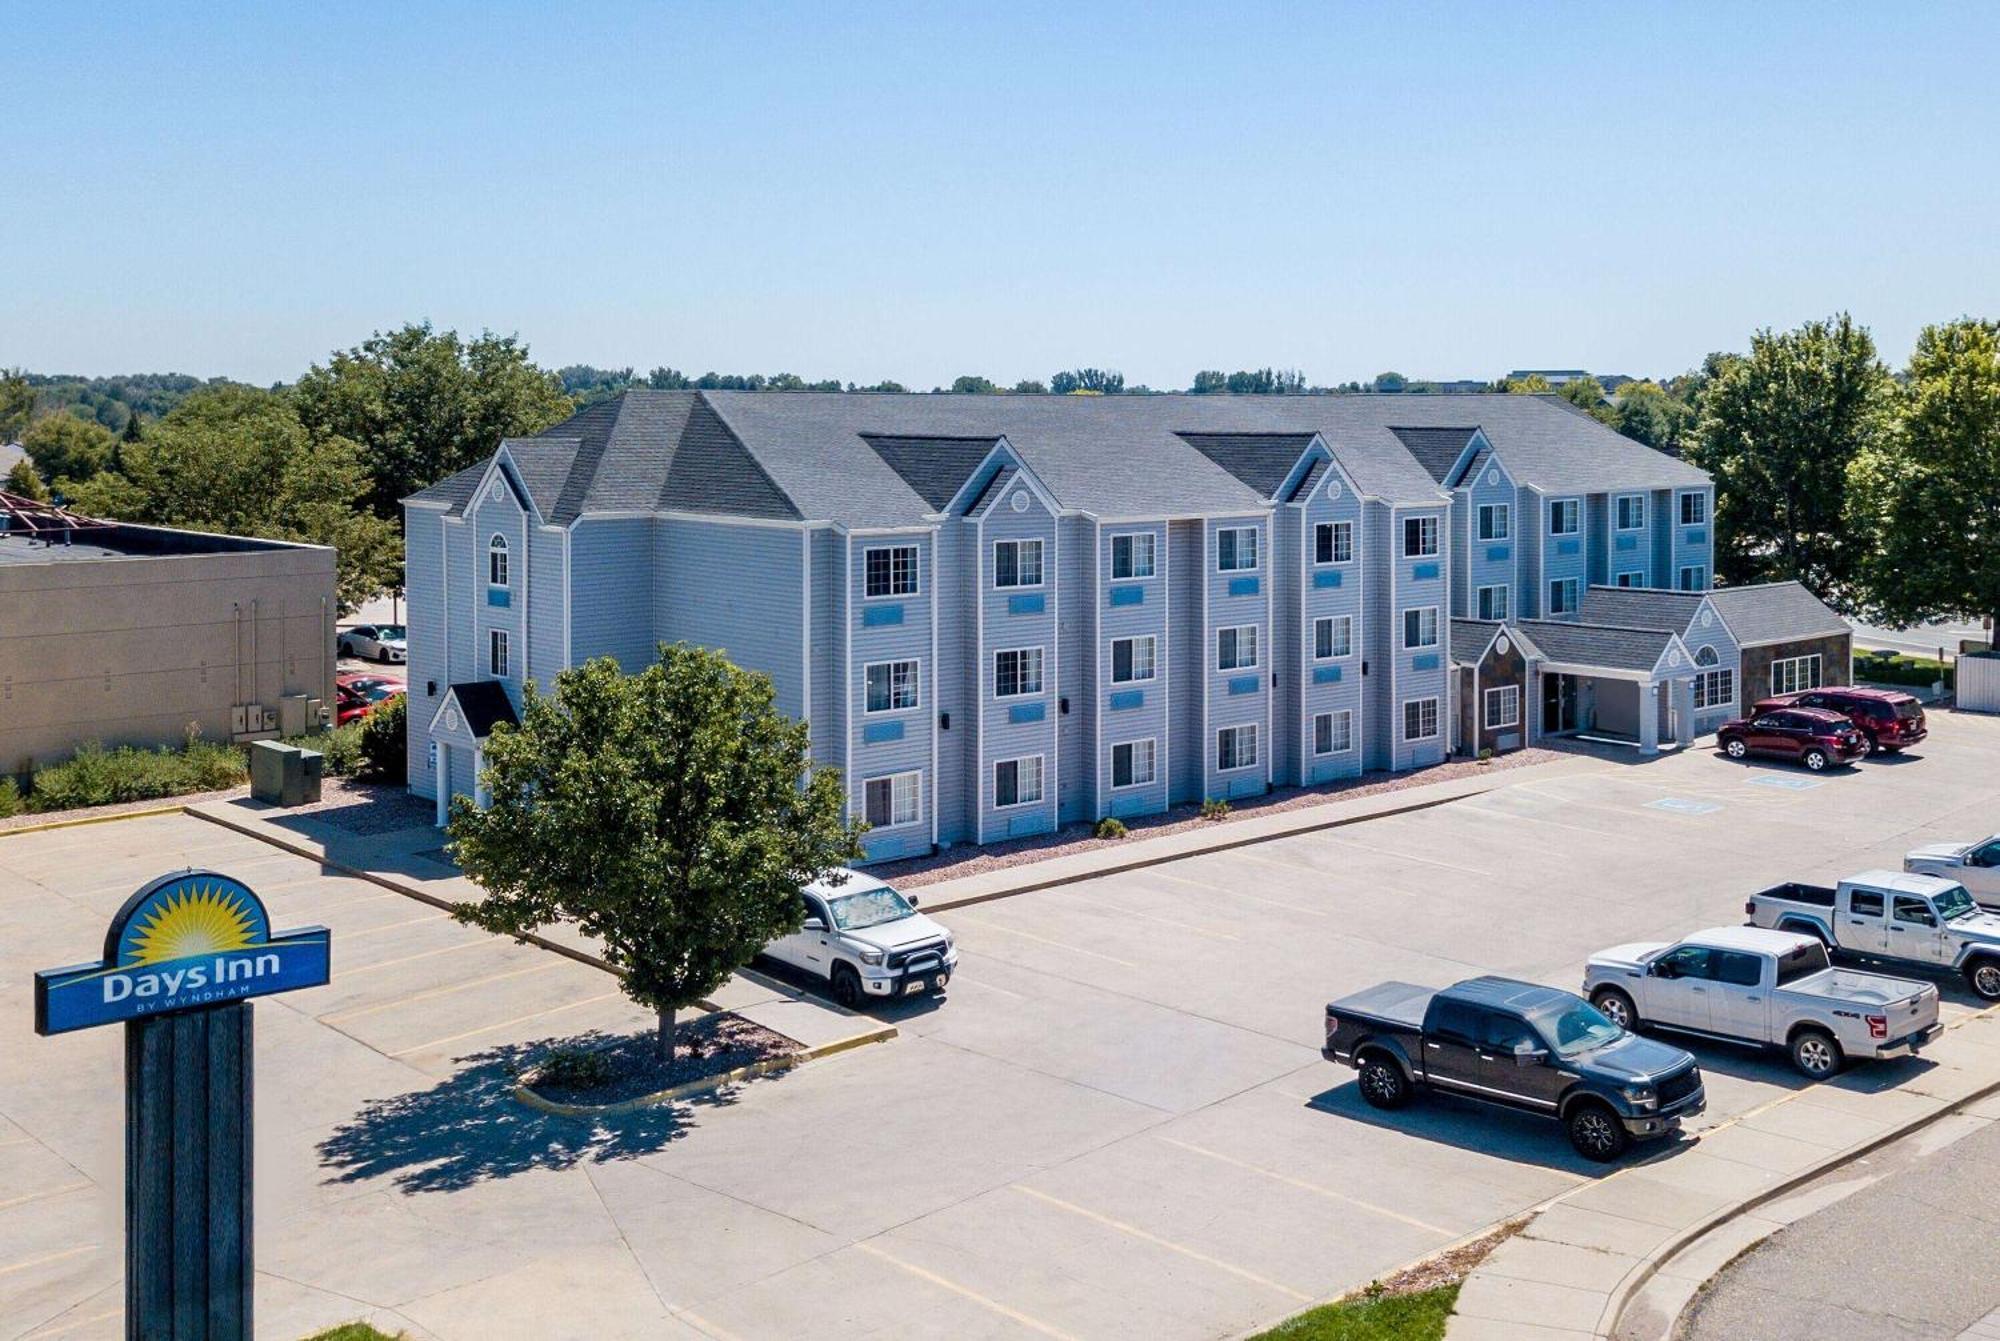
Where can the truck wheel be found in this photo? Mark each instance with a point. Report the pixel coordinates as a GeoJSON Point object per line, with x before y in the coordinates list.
{"type": "Point", "coordinates": [847, 987]}
{"type": "Point", "coordinates": [1383, 1083]}
{"type": "Point", "coordinates": [1616, 1007]}
{"type": "Point", "coordinates": [1814, 760]}
{"type": "Point", "coordinates": [1816, 1054]}
{"type": "Point", "coordinates": [1984, 975]}
{"type": "Point", "coordinates": [1735, 748]}
{"type": "Point", "coordinates": [1596, 1132]}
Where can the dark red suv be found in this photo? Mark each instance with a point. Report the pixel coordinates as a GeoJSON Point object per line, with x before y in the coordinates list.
{"type": "Point", "coordinates": [1815, 737]}
{"type": "Point", "coordinates": [1888, 719]}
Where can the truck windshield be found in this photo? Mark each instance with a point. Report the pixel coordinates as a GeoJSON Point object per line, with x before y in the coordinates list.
{"type": "Point", "coordinates": [1801, 963]}
{"type": "Point", "coordinates": [868, 908]}
{"type": "Point", "coordinates": [1575, 1027]}
{"type": "Point", "coordinates": [1954, 903]}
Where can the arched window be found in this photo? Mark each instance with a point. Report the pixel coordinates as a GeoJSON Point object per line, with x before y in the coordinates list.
{"type": "Point", "coordinates": [1707, 657]}
{"type": "Point", "coordinates": [496, 561]}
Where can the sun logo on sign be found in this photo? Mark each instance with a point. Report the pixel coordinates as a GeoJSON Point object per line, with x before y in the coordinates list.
{"type": "Point", "coordinates": [208, 919]}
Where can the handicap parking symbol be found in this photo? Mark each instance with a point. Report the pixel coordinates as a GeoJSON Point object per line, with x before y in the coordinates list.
{"type": "Point", "coordinates": [1789, 784]}
{"type": "Point", "coordinates": [1682, 805]}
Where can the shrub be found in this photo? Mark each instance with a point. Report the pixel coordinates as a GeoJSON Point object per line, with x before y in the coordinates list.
{"type": "Point", "coordinates": [1922, 672]}
{"type": "Point", "coordinates": [95, 776]}
{"type": "Point", "coordinates": [1215, 808]}
{"type": "Point", "coordinates": [385, 741]}
{"type": "Point", "coordinates": [340, 746]}
{"type": "Point", "coordinates": [10, 799]}
{"type": "Point", "coordinates": [574, 1068]}
{"type": "Point", "coordinates": [1109, 827]}
{"type": "Point", "coordinates": [1486, 754]}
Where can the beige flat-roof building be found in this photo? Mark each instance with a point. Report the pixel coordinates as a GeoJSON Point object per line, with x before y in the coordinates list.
{"type": "Point", "coordinates": [129, 635]}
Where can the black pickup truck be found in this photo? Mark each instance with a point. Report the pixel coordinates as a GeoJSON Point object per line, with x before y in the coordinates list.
{"type": "Point", "coordinates": [1521, 1045]}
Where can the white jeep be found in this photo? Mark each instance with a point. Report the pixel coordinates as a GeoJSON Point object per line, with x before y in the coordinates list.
{"type": "Point", "coordinates": [867, 940]}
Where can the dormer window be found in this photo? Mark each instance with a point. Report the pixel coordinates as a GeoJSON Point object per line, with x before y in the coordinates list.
{"type": "Point", "coordinates": [496, 561]}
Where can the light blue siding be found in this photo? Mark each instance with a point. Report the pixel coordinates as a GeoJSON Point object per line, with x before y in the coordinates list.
{"type": "Point", "coordinates": [1563, 556]}
{"type": "Point", "coordinates": [611, 591]}
{"type": "Point", "coordinates": [1489, 562]}
{"type": "Point", "coordinates": [1333, 685]}
{"type": "Point", "coordinates": [829, 675]}
{"type": "Point", "coordinates": [1420, 673]}
{"type": "Point", "coordinates": [1187, 666]}
{"type": "Point", "coordinates": [957, 699]}
{"type": "Point", "coordinates": [1530, 524]}
{"type": "Point", "coordinates": [1076, 724]}
{"type": "Point", "coordinates": [1137, 710]}
{"type": "Point", "coordinates": [1597, 537]}
{"type": "Point", "coordinates": [1629, 551]}
{"type": "Point", "coordinates": [1232, 604]}
{"type": "Point", "coordinates": [700, 596]}
{"type": "Point", "coordinates": [1707, 630]}
{"type": "Point", "coordinates": [423, 584]}
{"type": "Point", "coordinates": [545, 605]}
{"type": "Point", "coordinates": [1693, 544]}
{"type": "Point", "coordinates": [907, 640]}
{"type": "Point", "coordinates": [497, 513]}
{"type": "Point", "coordinates": [1005, 731]}
{"type": "Point", "coordinates": [1377, 574]}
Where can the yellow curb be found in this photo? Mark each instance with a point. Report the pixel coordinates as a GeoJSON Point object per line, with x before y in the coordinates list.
{"type": "Point", "coordinates": [524, 1094]}
{"type": "Point", "coordinates": [94, 819]}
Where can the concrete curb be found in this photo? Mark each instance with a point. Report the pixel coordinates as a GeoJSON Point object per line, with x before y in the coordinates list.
{"type": "Point", "coordinates": [82, 820]}
{"type": "Point", "coordinates": [525, 1094]}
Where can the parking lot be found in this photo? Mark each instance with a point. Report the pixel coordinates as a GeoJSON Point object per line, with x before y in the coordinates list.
{"type": "Point", "coordinates": [1117, 1124]}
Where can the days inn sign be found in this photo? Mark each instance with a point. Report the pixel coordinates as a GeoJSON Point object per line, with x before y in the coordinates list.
{"type": "Point", "coordinates": [195, 938]}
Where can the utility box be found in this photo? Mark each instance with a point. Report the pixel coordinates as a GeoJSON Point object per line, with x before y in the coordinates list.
{"type": "Point", "coordinates": [285, 775]}
{"type": "Point", "coordinates": [295, 715]}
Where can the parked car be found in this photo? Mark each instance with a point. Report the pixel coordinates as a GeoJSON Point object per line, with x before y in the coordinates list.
{"type": "Point", "coordinates": [867, 940]}
{"type": "Point", "coordinates": [1813, 736]}
{"type": "Point", "coordinates": [1767, 988]}
{"type": "Point", "coordinates": [1888, 719]}
{"type": "Point", "coordinates": [1517, 1045]}
{"type": "Point", "coordinates": [350, 705]}
{"type": "Point", "coordinates": [356, 694]}
{"type": "Point", "coordinates": [375, 642]}
{"type": "Point", "coordinates": [1922, 920]}
{"type": "Point", "coordinates": [1974, 865]}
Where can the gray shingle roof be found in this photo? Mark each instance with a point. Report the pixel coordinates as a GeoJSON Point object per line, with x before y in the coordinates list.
{"type": "Point", "coordinates": [1470, 638]}
{"type": "Point", "coordinates": [1260, 460]}
{"type": "Point", "coordinates": [485, 704]}
{"type": "Point", "coordinates": [1641, 607]}
{"type": "Point", "coordinates": [1436, 449]}
{"type": "Point", "coordinates": [1310, 480]}
{"type": "Point", "coordinates": [1604, 645]}
{"type": "Point", "coordinates": [1775, 612]}
{"type": "Point", "coordinates": [937, 468]}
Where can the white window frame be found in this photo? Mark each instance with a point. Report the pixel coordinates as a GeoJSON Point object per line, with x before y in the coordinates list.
{"type": "Point", "coordinates": [1342, 646]}
{"type": "Point", "coordinates": [1420, 611]}
{"type": "Point", "coordinates": [1497, 608]}
{"type": "Point", "coordinates": [1131, 748]}
{"type": "Point", "coordinates": [1237, 631]}
{"type": "Point", "coordinates": [1700, 501]}
{"type": "Point", "coordinates": [1041, 663]}
{"type": "Point", "coordinates": [916, 572]}
{"type": "Point", "coordinates": [1793, 681]}
{"type": "Point", "coordinates": [1152, 643]}
{"type": "Point", "coordinates": [1700, 572]}
{"type": "Point", "coordinates": [1041, 781]}
{"type": "Point", "coordinates": [1019, 546]}
{"type": "Point", "coordinates": [1507, 697]}
{"type": "Point", "coordinates": [1638, 573]}
{"type": "Point", "coordinates": [1569, 508]}
{"type": "Point", "coordinates": [1714, 687]}
{"type": "Point", "coordinates": [1132, 541]}
{"type": "Point", "coordinates": [916, 678]}
{"type": "Point", "coordinates": [1345, 718]}
{"type": "Point", "coordinates": [499, 568]}
{"type": "Point", "coordinates": [1236, 564]}
{"type": "Point", "coordinates": [1428, 532]}
{"type": "Point", "coordinates": [914, 778]}
{"type": "Point", "coordinates": [1420, 704]}
{"type": "Point", "coordinates": [1336, 531]}
{"type": "Point", "coordinates": [1235, 731]}
{"type": "Point", "coordinates": [1571, 588]}
{"type": "Point", "coordinates": [1618, 512]}
{"type": "Point", "coordinates": [499, 654]}
{"type": "Point", "coordinates": [1489, 515]}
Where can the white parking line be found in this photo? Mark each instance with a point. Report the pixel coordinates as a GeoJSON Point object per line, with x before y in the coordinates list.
{"type": "Point", "coordinates": [1305, 1186]}
{"type": "Point", "coordinates": [51, 1192]}
{"type": "Point", "coordinates": [943, 1283]}
{"type": "Point", "coordinates": [1040, 940]}
{"type": "Point", "coordinates": [414, 997]}
{"type": "Point", "coordinates": [1181, 1248]}
{"type": "Point", "coordinates": [64, 1255]}
{"type": "Point", "coordinates": [487, 1029]}
{"type": "Point", "coordinates": [1234, 893]}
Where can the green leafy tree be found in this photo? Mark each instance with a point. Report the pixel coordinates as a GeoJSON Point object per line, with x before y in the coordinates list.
{"type": "Point", "coordinates": [236, 459]}
{"type": "Point", "coordinates": [1587, 394]}
{"type": "Point", "coordinates": [1779, 428]}
{"type": "Point", "coordinates": [423, 404]}
{"type": "Point", "coordinates": [1534, 384]}
{"type": "Point", "coordinates": [670, 815]}
{"type": "Point", "coordinates": [1390, 381]}
{"type": "Point", "coordinates": [17, 404]}
{"type": "Point", "coordinates": [385, 741]}
{"type": "Point", "coordinates": [1928, 493]}
{"type": "Point", "coordinates": [1646, 411]}
{"type": "Point", "coordinates": [1209, 381]}
{"type": "Point", "coordinates": [1087, 381]}
{"type": "Point", "coordinates": [67, 449]}
{"type": "Point", "coordinates": [22, 480]}
{"type": "Point", "coordinates": [1029, 386]}
{"type": "Point", "coordinates": [971, 385]}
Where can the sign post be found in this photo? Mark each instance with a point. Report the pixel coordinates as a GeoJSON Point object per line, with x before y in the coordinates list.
{"type": "Point", "coordinates": [181, 960]}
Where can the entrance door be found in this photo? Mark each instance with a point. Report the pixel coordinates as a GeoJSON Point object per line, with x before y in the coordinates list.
{"type": "Point", "coordinates": [1558, 703]}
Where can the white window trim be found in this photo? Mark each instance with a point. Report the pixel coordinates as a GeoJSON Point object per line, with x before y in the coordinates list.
{"type": "Point", "coordinates": [1503, 511]}
{"type": "Point", "coordinates": [1437, 627]}
{"type": "Point", "coordinates": [1041, 666]}
{"type": "Point", "coordinates": [916, 571]}
{"type": "Point", "coordinates": [892, 779]}
{"type": "Point", "coordinates": [1575, 509]}
{"type": "Point", "coordinates": [1348, 748]}
{"type": "Point", "coordinates": [1256, 648]}
{"type": "Point", "coordinates": [1152, 553]}
{"type": "Point", "coordinates": [1500, 615]}
{"type": "Point", "coordinates": [1153, 673]}
{"type": "Point", "coordinates": [1575, 594]}
{"type": "Point", "coordinates": [1154, 743]}
{"type": "Point", "coordinates": [497, 548]}
{"type": "Point", "coordinates": [1818, 669]}
{"type": "Point", "coordinates": [1617, 525]}
{"type": "Point", "coordinates": [1437, 720]}
{"type": "Point", "coordinates": [1256, 747]}
{"type": "Point", "coordinates": [1334, 527]}
{"type": "Point", "coordinates": [1041, 564]}
{"type": "Point", "coordinates": [1256, 543]}
{"type": "Point", "coordinates": [1500, 693]}
{"type": "Point", "coordinates": [917, 678]}
{"type": "Point", "coordinates": [1639, 573]}
{"type": "Point", "coordinates": [499, 654]}
{"type": "Point", "coordinates": [1680, 507]}
{"type": "Point", "coordinates": [1334, 620]}
{"type": "Point", "coordinates": [1436, 534]}
{"type": "Point", "coordinates": [1687, 568]}
{"type": "Point", "coordinates": [1041, 780]}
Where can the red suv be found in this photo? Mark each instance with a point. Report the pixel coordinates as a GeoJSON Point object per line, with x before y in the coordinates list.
{"type": "Point", "coordinates": [1816, 738]}
{"type": "Point", "coordinates": [1888, 719]}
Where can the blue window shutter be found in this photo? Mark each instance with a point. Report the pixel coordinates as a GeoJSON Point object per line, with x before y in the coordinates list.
{"type": "Point", "coordinates": [1326, 675]}
{"type": "Point", "coordinates": [1245, 684]}
{"type": "Point", "coordinates": [1424, 572]}
{"type": "Point", "coordinates": [1028, 712]}
{"type": "Point", "coordinates": [874, 733]}
{"type": "Point", "coordinates": [1031, 603]}
{"type": "Point", "coordinates": [876, 616]}
{"type": "Point", "coordinates": [1329, 577]}
{"type": "Point", "coordinates": [1128, 595]}
{"type": "Point", "coordinates": [1243, 586]}
{"type": "Point", "coordinates": [1126, 699]}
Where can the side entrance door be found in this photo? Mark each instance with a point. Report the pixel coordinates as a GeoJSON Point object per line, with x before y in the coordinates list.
{"type": "Point", "coordinates": [1558, 703]}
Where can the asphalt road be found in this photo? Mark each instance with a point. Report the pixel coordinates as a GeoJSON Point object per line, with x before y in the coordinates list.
{"type": "Point", "coordinates": [1914, 1255]}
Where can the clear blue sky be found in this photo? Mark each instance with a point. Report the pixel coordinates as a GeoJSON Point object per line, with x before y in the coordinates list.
{"type": "Point", "coordinates": [866, 192]}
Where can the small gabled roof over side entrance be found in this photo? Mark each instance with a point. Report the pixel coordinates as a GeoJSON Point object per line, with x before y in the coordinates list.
{"type": "Point", "coordinates": [1471, 637]}
{"type": "Point", "coordinates": [479, 704]}
{"type": "Point", "coordinates": [1602, 647]}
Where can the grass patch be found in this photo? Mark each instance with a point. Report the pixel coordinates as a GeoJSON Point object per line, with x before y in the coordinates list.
{"type": "Point", "coordinates": [1373, 1317]}
{"type": "Point", "coordinates": [354, 1331]}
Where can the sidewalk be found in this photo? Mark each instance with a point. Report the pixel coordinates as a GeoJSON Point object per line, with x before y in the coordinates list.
{"type": "Point", "coordinates": [411, 861]}
{"type": "Point", "coordinates": [1111, 857]}
{"type": "Point", "coordinates": [1621, 1256]}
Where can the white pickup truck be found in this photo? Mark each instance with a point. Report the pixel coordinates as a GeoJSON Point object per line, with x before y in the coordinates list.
{"type": "Point", "coordinates": [1920, 920]}
{"type": "Point", "coordinates": [1767, 988]}
{"type": "Point", "coordinates": [1974, 865]}
{"type": "Point", "coordinates": [867, 940]}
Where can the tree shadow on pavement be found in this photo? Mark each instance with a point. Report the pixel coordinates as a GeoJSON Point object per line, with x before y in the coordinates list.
{"type": "Point", "coordinates": [470, 1127]}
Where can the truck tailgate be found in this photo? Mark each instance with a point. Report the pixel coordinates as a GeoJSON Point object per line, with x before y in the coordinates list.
{"type": "Point", "coordinates": [1909, 1005]}
{"type": "Point", "coordinates": [1399, 1003]}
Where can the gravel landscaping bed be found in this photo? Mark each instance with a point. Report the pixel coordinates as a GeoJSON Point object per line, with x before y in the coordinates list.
{"type": "Point", "coordinates": [628, 1068]}
{"type": "Point", "coordinates": [30, 820]}
{"type": "Point", "coordinates": [367, 808]}
{"type": "Point", "coordinates": [966, 860]}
